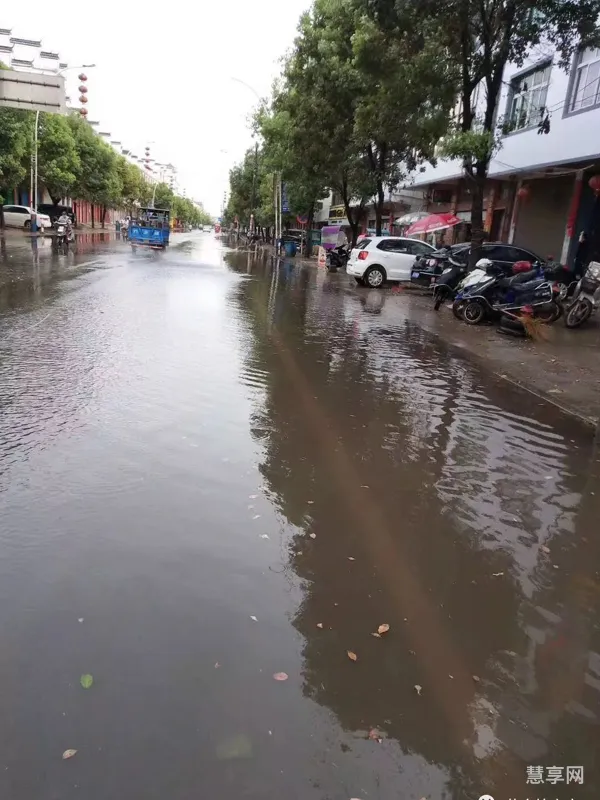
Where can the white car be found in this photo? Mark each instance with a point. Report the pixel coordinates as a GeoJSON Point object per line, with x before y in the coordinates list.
{"type": "Point", "coordinates": [21, 216]}
{"type": "Point", "coordinates": [378, 259]}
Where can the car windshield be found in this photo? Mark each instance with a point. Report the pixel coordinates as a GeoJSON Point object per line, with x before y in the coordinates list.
{"type": "Point", "coordinates": [361, 245]}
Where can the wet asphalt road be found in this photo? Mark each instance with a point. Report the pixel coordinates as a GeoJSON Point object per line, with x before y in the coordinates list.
{"type": "Point", "coordinates": [213, 470]}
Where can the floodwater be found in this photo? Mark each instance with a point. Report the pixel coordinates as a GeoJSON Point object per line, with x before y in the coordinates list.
{"type": "Point", "coordinates": [214, 469]}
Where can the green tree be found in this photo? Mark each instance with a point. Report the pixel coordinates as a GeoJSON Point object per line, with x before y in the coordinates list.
{"type": "Point", "coordinates": [58, 160]}
{"type": "Point", "coordinates": [320, 90]}
{"type": "Point", "coordinates": [132, 181]}
{"type": "Point", "coordinates": [408, 88]}
{"type": "Point", "coordinates": [482, 37]}
{"type": "Point", "coordinates": [163, 196]}
{"type": "Point", "coordinates": [98, 180]}
{"type": "Point", "coordinates": [15, 149]}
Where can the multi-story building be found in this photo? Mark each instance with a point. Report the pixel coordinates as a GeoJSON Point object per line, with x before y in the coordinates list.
{"type": "Point", "coordinates": [538, 193]}
{"type": "Point", "coordinates": [398, 203]}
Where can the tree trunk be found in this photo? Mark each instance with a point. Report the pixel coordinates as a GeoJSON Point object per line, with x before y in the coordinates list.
{"type": "Point", "coordinates": [477, 211]}
{"type": "Point", "coordinates": [93, 215]}
{"type": "Point", "coordinates": [309, 224]}
{"type": "Point", "coordinates": [1, 217]}
{"type": "Point", "coordinates": [379, 208]}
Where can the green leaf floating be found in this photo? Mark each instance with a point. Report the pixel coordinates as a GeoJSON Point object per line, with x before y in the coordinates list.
{"type": "Point", "coordinates": [86, 681]}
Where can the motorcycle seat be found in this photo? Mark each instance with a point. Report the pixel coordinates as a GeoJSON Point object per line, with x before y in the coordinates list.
{"type": "Point", "coordinates": [515, 280]}
{"type": "Point", "coordinates": [529, 286]}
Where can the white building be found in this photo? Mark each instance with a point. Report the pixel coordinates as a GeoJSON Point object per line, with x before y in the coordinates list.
{"type": "Point", "coordinates": [552, 170]}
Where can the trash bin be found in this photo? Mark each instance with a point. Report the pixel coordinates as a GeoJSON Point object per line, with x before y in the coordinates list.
{"type": "Point", "coordinates": [290, 249]}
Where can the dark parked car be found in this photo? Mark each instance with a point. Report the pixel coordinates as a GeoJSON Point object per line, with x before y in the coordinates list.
{"type": "Point", "coordinates": [54, 212]}
{"type": "Point", "coordinates": [428, 268]}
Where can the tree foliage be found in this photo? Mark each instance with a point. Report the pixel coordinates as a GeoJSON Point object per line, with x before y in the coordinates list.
{"type": "Point", "coordinates": [58, 160]}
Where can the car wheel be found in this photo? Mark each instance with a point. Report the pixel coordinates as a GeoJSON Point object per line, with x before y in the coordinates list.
{"type": "Point", "coordinates": [374, 277]}
{"type": "Point", "coordinates": [360, 281]}
{"type": "Point", "coordinates": [27, 224]}
{"type": "Point", "coordinates": [473, 312]}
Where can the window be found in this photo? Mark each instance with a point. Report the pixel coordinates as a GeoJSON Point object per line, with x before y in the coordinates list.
{"type": "Point", "coordinates": [586, 84]}
{"type": "Point", "coordinates": [362, 244]}
{"type": "Point", "coordinates": [528, 98]}
{"type": "Point", "coordinates": [393, 246]}
{"type": "Point", "coordinates": [8, 209]}
{"type": "Point", "coordinates": [499, 252]}
{"type": "Point", "coordinates": [419, 249]}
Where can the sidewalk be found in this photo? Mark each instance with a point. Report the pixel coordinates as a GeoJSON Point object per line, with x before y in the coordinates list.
{"type": "Point", "coordinates": [564, 370]}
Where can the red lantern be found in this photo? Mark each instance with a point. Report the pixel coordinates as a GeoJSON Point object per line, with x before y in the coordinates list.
{"type": "Point", "coordinates": [523, 193]}
{"type": "Point", "coordinates": [83, 112]}
{"type": "Point", "coordinates": [82, 98]}
{"type": "Point", "coordinates": [594, 184]}
{"type": "Point", "coordinates": [82, 76]}
{"type": "Point", "coordinates": [83, 89]}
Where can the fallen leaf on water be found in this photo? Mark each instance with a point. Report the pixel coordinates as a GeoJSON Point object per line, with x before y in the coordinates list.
{"type": "Point", "coordinates": [264, 536]}
{"type": "Point", "coordinates": [253, 497]}
{"type": "Point", "coordinates": [319, 624]}
{"type": "Point", "coordinates": [384, 628]}
{"type": "Point", "coordinates": [351, 559]}
{"type": "Point", "coordinates": [68, 754]}
{"type": "Point", "coordinates": [254, 618]}
{"type": "Point", "coordinates": [544, 549]}
{"type": "Point", "coordinates": [313, 535]}
{"type": "Point", "coordinates": [80, 619]}
{"type": "Point", "coordinates": [497, 574]}
{"type": "Point", "coordinates": [281, 676]}
{"type": "Point", "coordinates": [256, 516]}
{"type": "Point", "coordinates": [86, 681]}
{"type": "Point", "coordinates": [217, 665]}
{"type": "Point", "coordinates": [375, 735]}
{"type": "Point", "coordinates": [476, 678]}
{"type": "Point", "coordinates": [376, 635]}
{"type": "Point", "coordinates": [352, 656]}
{"type": "Point", "coordinates": [418, 689]}
{"type": "Point", "coordinates": [310, 502]}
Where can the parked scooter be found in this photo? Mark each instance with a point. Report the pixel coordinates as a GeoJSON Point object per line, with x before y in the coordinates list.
{"type": "Point", "coordinates": [584, 301]}
{"type": "Point", "coordinates": [337, 258]}
{"type": "Point", "coordinates": [448, 282]}
{"type": "Point", "coordinates": [496, 295]}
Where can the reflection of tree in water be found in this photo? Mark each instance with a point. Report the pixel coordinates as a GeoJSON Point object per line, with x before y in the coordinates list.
{"type": "Point", "coordinates": [405, 415]}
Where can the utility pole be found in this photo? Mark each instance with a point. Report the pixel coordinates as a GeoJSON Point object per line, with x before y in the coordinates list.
{"type": "Point", "coordinates": [254, 179]}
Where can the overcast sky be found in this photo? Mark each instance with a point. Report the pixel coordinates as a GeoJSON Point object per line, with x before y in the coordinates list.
{"type": "Point", "coordinates": [164, 72]}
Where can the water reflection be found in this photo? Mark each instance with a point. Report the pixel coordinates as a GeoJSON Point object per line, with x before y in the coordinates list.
{"type": "Point", "coordinates": [425, 496]}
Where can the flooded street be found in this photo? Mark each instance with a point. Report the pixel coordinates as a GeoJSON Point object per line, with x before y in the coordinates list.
{"type": "Point", "coordinates": [214, 470]}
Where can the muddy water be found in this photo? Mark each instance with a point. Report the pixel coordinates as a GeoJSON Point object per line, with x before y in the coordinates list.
{"type": "Point", "coordinates": [212, 471]}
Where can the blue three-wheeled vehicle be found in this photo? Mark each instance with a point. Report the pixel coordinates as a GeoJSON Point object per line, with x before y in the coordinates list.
{"type": "Point", "coordinates": [150, 228]}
